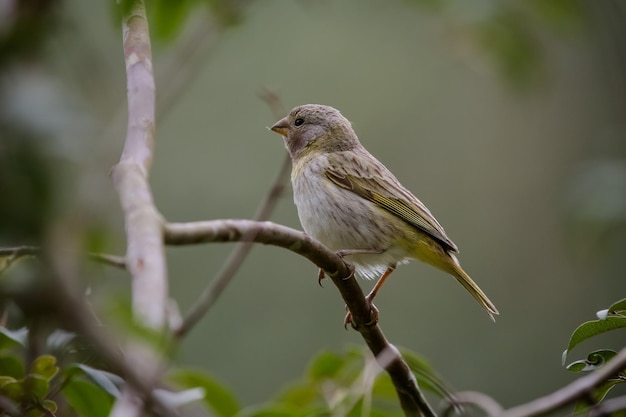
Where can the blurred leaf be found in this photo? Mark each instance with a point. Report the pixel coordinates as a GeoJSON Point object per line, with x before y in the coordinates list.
{"type": "Point", "coordinates": [10, 338]}
{"type": "Point", "coordinates": [218, 398]}
{"type": "Point", "coordinates": [11, 388]}
{"type": "Point", "coordinates": [618, 307]}
{"type": "Point", "coordinates": [179, 398]}
{"type": "Point", "coordinates": [559, 14]}
{"type": "Point", "coordinates": [35, 387]}
{"type": "Point", "coordinates": [105, 380]}
{"type": "Point", "coordinates": [300, 395]}
{"type": "Point", "coordinates": [167, 17]}
{"type": "Point", "coordinates": [512, 47]}
{"type": "Point", "coordinates": [59, 339]}
{"type": "Point", "coordinates": [11, 366]}
{"type": "Point", "coordinates": [87, 399]}
{"type": "Point", "coordinates": [227, 12]}
{"type": "Point", "coordinates": [593, 328]}
{"type": "Point", "coordinates": [594, 360]}
{"type": "Point", "coordinates": [265, 411]}
{"type": "Point", "coordinates": [597, 396]}
{"type": "Point", "coordinates": [45, 367]}
{"type": "Point", "coordinates": [326, 365]}
{"type": "Point", "coordinates": [49, 405]}
{"type": "Point", "coordinates": [426, 375]}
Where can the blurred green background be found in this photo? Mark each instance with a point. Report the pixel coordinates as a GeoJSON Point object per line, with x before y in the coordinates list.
{"type": "Point", "coordinates": [507, 120]}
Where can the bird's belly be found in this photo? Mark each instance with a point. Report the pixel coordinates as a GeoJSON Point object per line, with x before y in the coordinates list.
{"type": "Point", "coordinates": [342, 220]}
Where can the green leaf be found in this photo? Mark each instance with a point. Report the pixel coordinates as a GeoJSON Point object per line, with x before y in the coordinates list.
{"type": "Point", "coordinates": [326, 366]}
{"type": "Point", "coordinates": [167, 17]}
{"type": "Point", "coordinates": [618, 307]}
{"type": "Point", "coordinates": [593, 328]}
{"type": "Point", "coordinates": [218, 398]}
{"type": "Point", "coordinates": [300, 395]}
{"type": "Point", "coordinates": [106, 381]}
{"type": "Point", "coordinates": [45, 367]}
{"type": "Point", "coordinates": [10, 338]}
{"type": "Point", "coordinates": [595, 360]}
{"type": "Point", "coordinates": [87, 399]}
{"type": "Point", "coordinates": [11, 388]}
{"type": "Point", "coordinates": [11, 365]}
{"type": "Point", "coordinates": [265, 411]}
{"type": "Point", "coordinates": [49, 405]}
{"type": "Point", "coordinates": [597, 396]}
{"type": "Point", "coordinates": [36, 387]}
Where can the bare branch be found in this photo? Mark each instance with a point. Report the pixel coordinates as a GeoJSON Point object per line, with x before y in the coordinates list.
{"type": "Point", "coordinates": [145, 257]}
{"type": "Point", "coordinates": [10, 254]}
{"type": "Point", "coordinates": [342, 274]}
{"type": "Point", "coordinates": [145, 253]}
{"type": "Point", "coordinates": [571, 393]}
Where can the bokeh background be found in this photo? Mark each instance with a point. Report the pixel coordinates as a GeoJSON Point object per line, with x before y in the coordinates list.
{"type": "Point", "coordinates": [507, 120]}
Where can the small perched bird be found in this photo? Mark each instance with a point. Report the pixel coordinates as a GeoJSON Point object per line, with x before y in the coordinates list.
{"type": "Point", "coordinates": [350, 202]}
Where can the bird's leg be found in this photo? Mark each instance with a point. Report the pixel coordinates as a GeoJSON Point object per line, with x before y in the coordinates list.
{"type": "Point", "coordinates": [347, 252]}
{"type": "Point", "coordinates": [370, 297]}
{"type": "Point", "coordinates": [379, 283]}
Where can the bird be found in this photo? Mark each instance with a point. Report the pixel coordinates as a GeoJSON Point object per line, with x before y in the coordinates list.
{"type": "Point", "coordinates": [350, 202]}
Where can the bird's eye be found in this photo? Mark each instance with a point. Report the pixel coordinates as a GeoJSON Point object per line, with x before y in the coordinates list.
{"type": "Point", "coordinates": [298, 122]}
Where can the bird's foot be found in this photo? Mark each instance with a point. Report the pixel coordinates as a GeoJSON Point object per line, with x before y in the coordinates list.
{"type": "Point", "coordinates": [373, 316]}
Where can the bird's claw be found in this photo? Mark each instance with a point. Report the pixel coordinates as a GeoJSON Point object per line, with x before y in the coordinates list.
{"type": "Point", "coordinates": [373, 316]}
{"type": "Point", "coordinates": [320, 276]}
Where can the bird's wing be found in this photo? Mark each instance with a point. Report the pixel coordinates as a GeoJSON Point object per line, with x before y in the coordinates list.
{"type": "Point", "coordinates": [385, 191]}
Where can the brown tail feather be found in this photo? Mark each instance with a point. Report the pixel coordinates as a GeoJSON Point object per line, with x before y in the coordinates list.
{"type": "Point", "coordinates": [475, 290]}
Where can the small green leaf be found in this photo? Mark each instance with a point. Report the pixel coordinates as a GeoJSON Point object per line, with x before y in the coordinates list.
{"type": "Point", "coordinates": [618, 307]}
{"type": "Point", "coordinates": [87, 399]}
{"type": "Point", "coordinates": [10, 338]}
{"type": "Point", "coordinates": [11, 365]}
{"type": "Point", "coordinates": [218, 398]}
{"type": "Point", "coordinates": [595, 360]}
{"type": "Point", "coordinates": [49, 405]}
{"type": "Point", "coordinates": [45, 367]}
{"type": "Point", "coordinates": [593, 328]}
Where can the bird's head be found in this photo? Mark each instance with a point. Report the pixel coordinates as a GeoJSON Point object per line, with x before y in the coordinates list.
{"type": "Point", "coordinates": [315, 128]}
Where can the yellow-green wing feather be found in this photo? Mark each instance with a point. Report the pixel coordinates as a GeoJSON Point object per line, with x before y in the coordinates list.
{"type": "Point", "coordinates": [407, 207]}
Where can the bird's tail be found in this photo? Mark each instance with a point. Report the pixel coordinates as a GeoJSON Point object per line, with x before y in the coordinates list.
{"type": "Point", "coordinates": [473, 289]}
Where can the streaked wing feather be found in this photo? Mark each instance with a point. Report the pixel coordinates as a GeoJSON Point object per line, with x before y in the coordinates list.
{"type": "Point", "coordinates": [409, 208]}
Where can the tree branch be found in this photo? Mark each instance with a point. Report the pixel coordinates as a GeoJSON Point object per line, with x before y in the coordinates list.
{"type": "Point", "coordinates": [145, 253]}
{"type": "Point", "coordinates": [342, 275]}
{"type": "Point", "coordinates": [210, 295]}
{"type": "Point", "coordinates": [145, 258]}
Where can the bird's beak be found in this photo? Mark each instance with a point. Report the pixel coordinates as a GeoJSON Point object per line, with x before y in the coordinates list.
{"type": "Point", "coordinates": [281, 127]}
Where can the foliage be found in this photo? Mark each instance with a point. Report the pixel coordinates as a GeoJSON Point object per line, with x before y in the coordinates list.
{"type": "Point", "coordinates": [610, 319]}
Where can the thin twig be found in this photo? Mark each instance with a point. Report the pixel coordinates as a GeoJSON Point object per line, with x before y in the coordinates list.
{"type": "Point", "coordinates": [342, 274]}
{"type": "Point", "coordinates": [234, 261]}
{"type": "Point", "coordinates": [13, 253]}
{"type": "Point", "coordinates": [570, 393]}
